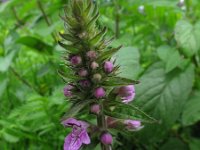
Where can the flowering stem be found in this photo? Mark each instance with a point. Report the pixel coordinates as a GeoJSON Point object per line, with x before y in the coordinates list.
{"type": "Point", "coordinates": [101, 122]}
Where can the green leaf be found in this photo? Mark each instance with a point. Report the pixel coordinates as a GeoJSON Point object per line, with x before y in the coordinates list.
{"type": "Point", "coordinates": [128, 60]}
{"type": "Point", "coordinates": [188, 36]}
{"type": "Point", "coordinates": [194, 144]}
{"type": "Point", "coordinates": [10, 138]}
{"type": "Point", "coordinates": [68, 37]}
{"type": "Point", "coordinates": [174, 144]}
{"type": "Point", "coordinates": [126, 111]}
{"type": "Point", "coordinates": [173, 61]}
{"type": "Point", "coordinates": [35, 43]}
{"type": "Point", "coordinates": [191, 113]}
{"type": "Point", "coordinates": [75, 108]}
{"type": "Point", "coordinates": [164, 52]}
{"type": "Point", "coordinates": [6, 61]}
{"type": "Point", "coordinates": [98, 37]}
{"type": "Point", "coordinates": [109, 53]}
{"type": "Point", "coordinates": [163, 96]}
{"type": "Point", "coordinates": [171, 57]}
{"type": "Point", "coordinates": [69, 48]}
{"type": "Point", "coordinates": [118, 81]}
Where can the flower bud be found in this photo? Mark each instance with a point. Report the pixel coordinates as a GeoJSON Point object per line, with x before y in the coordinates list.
{"type": "Point", "coordinates": [108, 66]}
{"type": "Point", "coordinates": [67, 90]}
{"type": "Point", "coordinates": [106, 138]}
{"type": "Point", "coordinates": [83, 73]}
{"type": "Point", "coordinates": [85, 83]}
{"type": "Point", "coordinates": [96, 77]}
{"type": "Point", "coordinates": [99, 92]}
{"type": "Point", "coordinates": [91, 55]}
{"type": "Point", "coordinates": [76, 60]}
{"type": "Point", "coordinates": [127, 93]}
{"type": "Point", "coordinates": [94, 65]}
{"type": "Point", "coordinates": [95, 108]}
{"type": "Point", "coordinates": [133, 125]}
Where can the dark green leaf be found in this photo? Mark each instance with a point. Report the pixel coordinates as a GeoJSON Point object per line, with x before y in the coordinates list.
{"type": "Point", "coordinates": [35, 43]}
{"type": "Point", "coordinates": [191, 111]}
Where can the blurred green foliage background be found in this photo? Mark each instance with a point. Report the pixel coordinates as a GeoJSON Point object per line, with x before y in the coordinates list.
{"type": "Point", "coordinates": [161, 41]}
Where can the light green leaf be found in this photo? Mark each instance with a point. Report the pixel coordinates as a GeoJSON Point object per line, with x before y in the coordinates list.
{"type": "Point", "coordinates": [128, 60]}
{"type": "Point", "coordinates": [188, 36]}
{"type": "Point", "coordinates": [10, 138]}
{"type": "Point", "coordinates": [173, 61]}
{"type": "Point", "coordinates": [164, 52]}
{"type": "Point", "coordinates": [170, 56]}
{"type": "Point", "coordinates": [191, 113]}
{"type": "Point", "coordinates": [6, 61]}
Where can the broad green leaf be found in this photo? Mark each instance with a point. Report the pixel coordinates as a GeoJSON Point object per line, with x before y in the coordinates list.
{"type": "Point", "coordinates": [170, 56]}
{"type": "Point", "coordinates": [188, 36]}
{"type": "Point", "coordinates": [128, 60]}
{"type": "Point", "coordinates": [6, 61]}
{"type": "Point", "coordinates": [194, 144]}
{"type": "Point", "coordinates": [164, 52]}
{"type": "Point", "coordinates": [174, 144]}
{"type": "Point", "coordinates": [163, 96]}
{"type": "Point", "coordinates": [35, 43]}
{"type": "Point", "coordinates": [173, 61]}
{"type": "Point", "coordinates": [191, 112]}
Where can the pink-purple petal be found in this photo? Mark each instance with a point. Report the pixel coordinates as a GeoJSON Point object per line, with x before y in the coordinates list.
{"type": "Point", "coordinates": [85, 137]}
{"type": "Point", "coordinates": [70, 122]}
{"type": "Point", "coordinates": [72, 143]}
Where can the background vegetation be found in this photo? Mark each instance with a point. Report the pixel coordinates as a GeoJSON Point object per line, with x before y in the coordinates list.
{"type": "Point", "coordinates": [161, 49]}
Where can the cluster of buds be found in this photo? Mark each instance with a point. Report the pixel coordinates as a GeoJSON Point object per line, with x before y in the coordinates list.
{"type": "Point", "coordinates": [91, 83]}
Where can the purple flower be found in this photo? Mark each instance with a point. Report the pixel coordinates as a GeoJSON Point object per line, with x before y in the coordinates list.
{"type": "Point", "coordinates": [67, 90]}
{"type": "Point", "coordinates": [127, 93]}
{"type": "Point", "coordinates": [83, 73]}
{"type": "Point", "coordinates": [99, 92]}
{"type": "Point", "coordinates": [76, 60]}
{"type": "Point", "coordinates": [95, 108]}
{"type": "Point", "coordinates": [133, 125]}
{"type": "Point", "coordinates": [85, 83]}
{"type": "Point", "coordinates": [106, 138]}
{"type": "Point", "coordinates": [108, 66]}
{"type": "Point", "coordinates": [91, 55]}
{"type": "Point", "coordinates": [78, 136]}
